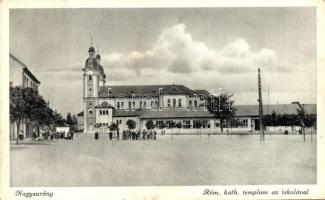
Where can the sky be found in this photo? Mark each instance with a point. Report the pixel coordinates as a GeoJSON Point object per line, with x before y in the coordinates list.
{"type": "Point", "coordinates": [202, 48]}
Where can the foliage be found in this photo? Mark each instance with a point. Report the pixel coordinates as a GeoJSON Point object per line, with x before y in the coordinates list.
{"type": "Point", "coordinates": [71, 119]}
{"type": "Point", "coordinates": [150, 125]}
{"type": "Point", "coordinates": [25, 103]}
{"type": "Point", "coordinates": [58, 119]}
{"type": "Point", "coordinates": [197, 123]}
{"type": "Point", "coordinates": [222, 108]}
{"type": "Point", "coordinates": [289, 119]}
{"type": "Point", "coordinates": [172, 124]}
{"type": "Point", "coordinates": [179, 125]}
{"type": "Point", "coordinates": [162, 125]}
{"type": "Point", "coordinates": [131, 124]}
{"type": "Point", "coordinates": [234, 122]}
{"type": "Point", "coordinates": [114, 127]}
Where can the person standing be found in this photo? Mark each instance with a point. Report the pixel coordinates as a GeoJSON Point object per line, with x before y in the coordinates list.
{"type": "Point", "coordinates": [34, 135]}
{"type": "Point", "coordinates": [110, 135]}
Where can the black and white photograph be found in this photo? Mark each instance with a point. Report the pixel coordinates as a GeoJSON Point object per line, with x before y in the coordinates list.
{"type": "Point", "coordinates": [163, 96]}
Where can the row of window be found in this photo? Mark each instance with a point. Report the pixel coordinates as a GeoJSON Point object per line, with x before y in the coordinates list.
{"type": "Point", "coordinates": [187, 124]}
{"type": "Point", "coordinates": [103, 124]}
{"type": "Point", "coordinates": [143, 104]}
{"type": "Point", "coordinates": [131, 104]}
{"type": "Point", "coordinates": [103, 112]}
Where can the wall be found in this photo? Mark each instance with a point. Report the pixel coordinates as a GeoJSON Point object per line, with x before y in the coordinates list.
{"type": "Point", "coordinates": [80, 122]}
{"type": "Point", "coordinates": [15, 73]}
{"type": "Point", "coordinates": [104, 118]}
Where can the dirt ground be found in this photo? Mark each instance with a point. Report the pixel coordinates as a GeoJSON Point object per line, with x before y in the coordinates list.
{"type": "Point", "coordinates": [167, 161]}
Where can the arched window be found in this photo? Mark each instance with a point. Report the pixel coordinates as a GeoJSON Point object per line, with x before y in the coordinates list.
{"type": "Point", "coordinates": [129, 105]}
{"type": "Point", "coordinates": [100, 112]}
{"type": "Point", "coordinates": [145, 104]}
{"type": "Point", "coordinates": [89, 77]}
{"type": "Point", "coordinates": [190, 103]}
{"type": "Point", "coordinates": [174, 103]}
{"type": "Point", "coordinates": [180, 103]}
{"type": "Point", "coordinates": [133, 104]}
{"type": "Point", "coordinates": [195, 103]}
{"type": "Point", "coordinates": [168, 102]}
{"type": "Point", "coordinates": [118, 105]}
{"type": "Point", "coordinates": [90, 112]}
{"type": "Point", "coordinates": [140, 104]}
{"type": "Point", "coordinates": [151, 104]}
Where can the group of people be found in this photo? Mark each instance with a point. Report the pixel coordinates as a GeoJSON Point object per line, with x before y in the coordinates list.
{"type": "Point", "coordinates": [46, 135]}
{"type": "Point", "coordinates": [132, 135]}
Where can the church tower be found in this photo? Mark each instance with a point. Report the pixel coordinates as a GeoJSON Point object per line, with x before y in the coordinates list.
{"type": "Point", "coordinates": [93, 74]}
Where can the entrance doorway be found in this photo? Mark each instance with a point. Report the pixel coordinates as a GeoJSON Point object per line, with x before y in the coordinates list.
{"type": "Point", "coordinates": [257, 124]}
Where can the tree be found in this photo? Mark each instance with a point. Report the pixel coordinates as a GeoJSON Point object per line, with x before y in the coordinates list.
{"type": "Point", "coordinates": [72, 121]}
{"type": "Point", "coordinates": [150, 125]}
{"type": "Point", "coordinates": [179, 125]}
{"type": "Point", "coordinates": [58, 119]}
{"type": "Point", "coordinates": [234, 122]}
{"type": "Point", "coordinates": [131, 124]}
{"type": "Point", "coordinates": [162, 125]}
{"type": "Point", "coordinates": [25, 103]}
{"type": "Point", "coordinates": [69, 119]}
{"type": "Point", "coordinates": [114, 127]}
{"type": "Point", "coordinates": [172, 124]}
{"type": "Point", "coordinates": [222, 108]}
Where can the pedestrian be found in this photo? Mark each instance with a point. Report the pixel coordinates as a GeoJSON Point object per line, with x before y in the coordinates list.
{"type": "Point", "coordinates": [138, 134]}
{"type": "Point", "coordinates": [117, 135]}
{"type": "Point", "coordinates": [96, 135]}
{"type": "Point", "coordinates": [72, 135]}
{"type": "Point", "coordinates": [144, 134]}
{"type": "Point", "coordinates": [154, 135]}
{"type": "Point", "coordinates": [110, 135]}
{"type": "Point", "coordinates": [34, 135]}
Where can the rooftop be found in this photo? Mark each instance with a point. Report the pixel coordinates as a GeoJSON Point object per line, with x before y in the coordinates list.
{"type": "Point", "coordinates": [145, 90]}
{"type": "Point", "coordinates": [25, 68]}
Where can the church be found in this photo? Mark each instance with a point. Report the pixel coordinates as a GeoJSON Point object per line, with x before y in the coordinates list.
{"type": "Point", "coordinates": [163, 104]}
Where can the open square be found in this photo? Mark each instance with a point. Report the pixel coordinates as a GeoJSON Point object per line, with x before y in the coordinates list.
{"type": "Point", "coordinates": [167, 161]}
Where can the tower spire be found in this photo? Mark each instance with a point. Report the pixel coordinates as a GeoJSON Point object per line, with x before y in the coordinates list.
{"type": "Point", "coordinates": [91, 40]}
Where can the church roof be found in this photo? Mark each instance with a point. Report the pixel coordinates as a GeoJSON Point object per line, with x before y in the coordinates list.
{"type": "Point", "coordinates": [144, 90]}
{"type": "Point", "coordinates": [127, 113]}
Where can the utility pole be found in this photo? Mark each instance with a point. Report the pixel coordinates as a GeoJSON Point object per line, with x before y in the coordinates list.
{"type": "Point", "coordinates": [260, 103]}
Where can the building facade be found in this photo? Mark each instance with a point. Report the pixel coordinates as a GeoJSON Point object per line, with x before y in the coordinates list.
{"type": "Point", "coordinates": [104, 104]}
{"type": "Point", "coordinates": [20, 75]}
{"type": "Point", "coordinates": [163, 104]}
